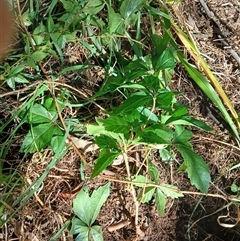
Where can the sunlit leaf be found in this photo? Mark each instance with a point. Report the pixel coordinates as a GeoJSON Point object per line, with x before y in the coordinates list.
{"type": "Point", "coordinates": [38, 55]}
{"type": "Point", "coordinates": [96, 233]}
{"type": "Point", "coordinates": [129, 7]}
{"type": "Point", "coordinates": [93, 7]}
{"type": "Point", "coordinates": [186, 120]}
{"type": "Point", "coordinates": [141, 181]}
{"type": "Point", "coordinates": [147, 115]}
{"type": "Point", "coordinates": [170, 191]}
{"type": "Point", "coordinates": [115, 22]}
{"type": "Point", "coordinates": [88, 207]}
{"type": "Point", "coordinates": [16, 70]}
{"type": "Point", "coordinates": [80, 228]}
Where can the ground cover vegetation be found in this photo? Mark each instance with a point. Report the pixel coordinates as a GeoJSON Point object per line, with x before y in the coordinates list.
{"type": "Point", "coordinates": [93, 80]}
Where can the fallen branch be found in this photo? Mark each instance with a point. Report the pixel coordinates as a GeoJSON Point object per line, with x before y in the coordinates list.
{"type": "Point", "coordinates": [118, 225]}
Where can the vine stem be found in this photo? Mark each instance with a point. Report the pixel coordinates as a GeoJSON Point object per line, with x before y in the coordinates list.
{"type": "Point", "coordinates": [224, 197]}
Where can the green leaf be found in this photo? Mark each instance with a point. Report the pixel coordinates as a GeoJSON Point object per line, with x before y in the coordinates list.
{"type": "Point", "coordinates": [76, 222]}
{"type": "Point", "coordinates": [164, 100]}
{"type": "Point", "coordinates": [116, 124]}
{"type": "Point", "coordinates": [146, 194]}
{"type": "Point", "coordinates": [234, 188]}
{"type": "Point", "coordinates": [80, 228]}
{"type": "Point", "coordinates": [133, 102]}
{"type": "Point", "coordinates": [181, 135]}
{"type": "Point", "coordinates": [20, 79]}
{"type": "Point", "coordinates": [166, 60]}
{"type": "Point", "coordinates": [38, 137]}
{"type": "Point", "coordinates": [107, 142]}
{"type": "Point", "coordinates": [141, 181]}
{"type": "Point", "coordinates": [26, 19]}
{"type": "Point", "coordinates": [160, 44]}
{"type": "Point", "coordinates": [133, 86]}
{"type": "Point", "coordinates": [16, 70]}
{"type": "Point", "coordinates": [137, 68]}
{"type": "Point", "coordinates": [31, 63]}
{"type": "Point", "coordinates": [104, 159]}
{"type": "Point", "coordinates": [186, 120]}
{"type": "Point", "coordinates": [96, 233]}
{"type": "Point", "coordinates": [98, 198]}
{"type": "Point", "coordinates": [81, 204]}
{"type": "Point", "coordinates": [50, 104]}
{"type": "Point", "coordinates": [129, 7]}
{"type": "Point", "coordinates": [38, 56]}
{"type": "Point", "coordinates": [147, 115]}
{"type": "Point", "coordinates": [93, 7]}
{"type": "Point", "coordinates": [153, 172]}
{"type": "Point", "coordinates": [165, 154]}
{"type": "Point", "coordinates": [11, 81]}
{"type": "Point", "coordinates": [151, 83]}
{"type": "Point", "coordinates": [38, 38]}
{"type": "Point", "coordinates": [197, 169]}
{"type": "Point", "coordinates": [207, 88]}
{"type": "Point", "coordinates": [88, 207]}
{"type": "Point", "coordinates": [96, 130]}
{"type": "Point", "coordinates": [180, 111]}
{"type": "Point", "coordinates": [132, 20]}
{"type": "Point", "coordinates": [132, 117]}
{"type": "Point", "coordinates": [56, 38]}
{"type": "Point", "coordinates": [167, 21]}
{"type": "Point", "coordinates": [160, 201]}
{"type": "Point", "coordinates": [170, 191]}
{"type": "Point", "coordinates": [157, 134]}
{"type": "Point", "coordinates": [115, 22]}
{"type": "Point", "coordinates": [39, 114]}
{"type": "Point", "coordinates": [68, 5]}
{"type": "Point", "coordinates": [157, 12]}
{"type": "Point", "coordinates": [55, 142]}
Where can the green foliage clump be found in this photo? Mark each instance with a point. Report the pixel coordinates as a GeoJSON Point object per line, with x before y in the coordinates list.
{"type": "Point", "coordinates": [146, 116]}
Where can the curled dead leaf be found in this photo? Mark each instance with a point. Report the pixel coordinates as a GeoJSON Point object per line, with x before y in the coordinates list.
{"type": "Point", "coordinates": [84, 145]}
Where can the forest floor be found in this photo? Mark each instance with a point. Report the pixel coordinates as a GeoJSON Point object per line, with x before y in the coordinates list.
{"type": "Point", "coordinates": [193, 217]}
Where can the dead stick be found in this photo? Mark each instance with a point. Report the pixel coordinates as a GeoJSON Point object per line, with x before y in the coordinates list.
{"type": "Point", "coordinates": [118, 225]}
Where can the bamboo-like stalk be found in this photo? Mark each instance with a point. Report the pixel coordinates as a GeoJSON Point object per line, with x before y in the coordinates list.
{"type": "Point", "coordinates": [194, 52]}
{"type": "Point", "coordinates": [212, 81]}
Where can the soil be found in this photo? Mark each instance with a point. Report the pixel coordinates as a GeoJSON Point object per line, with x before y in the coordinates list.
{"type": "Point", "coordinates": [193, 217]}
